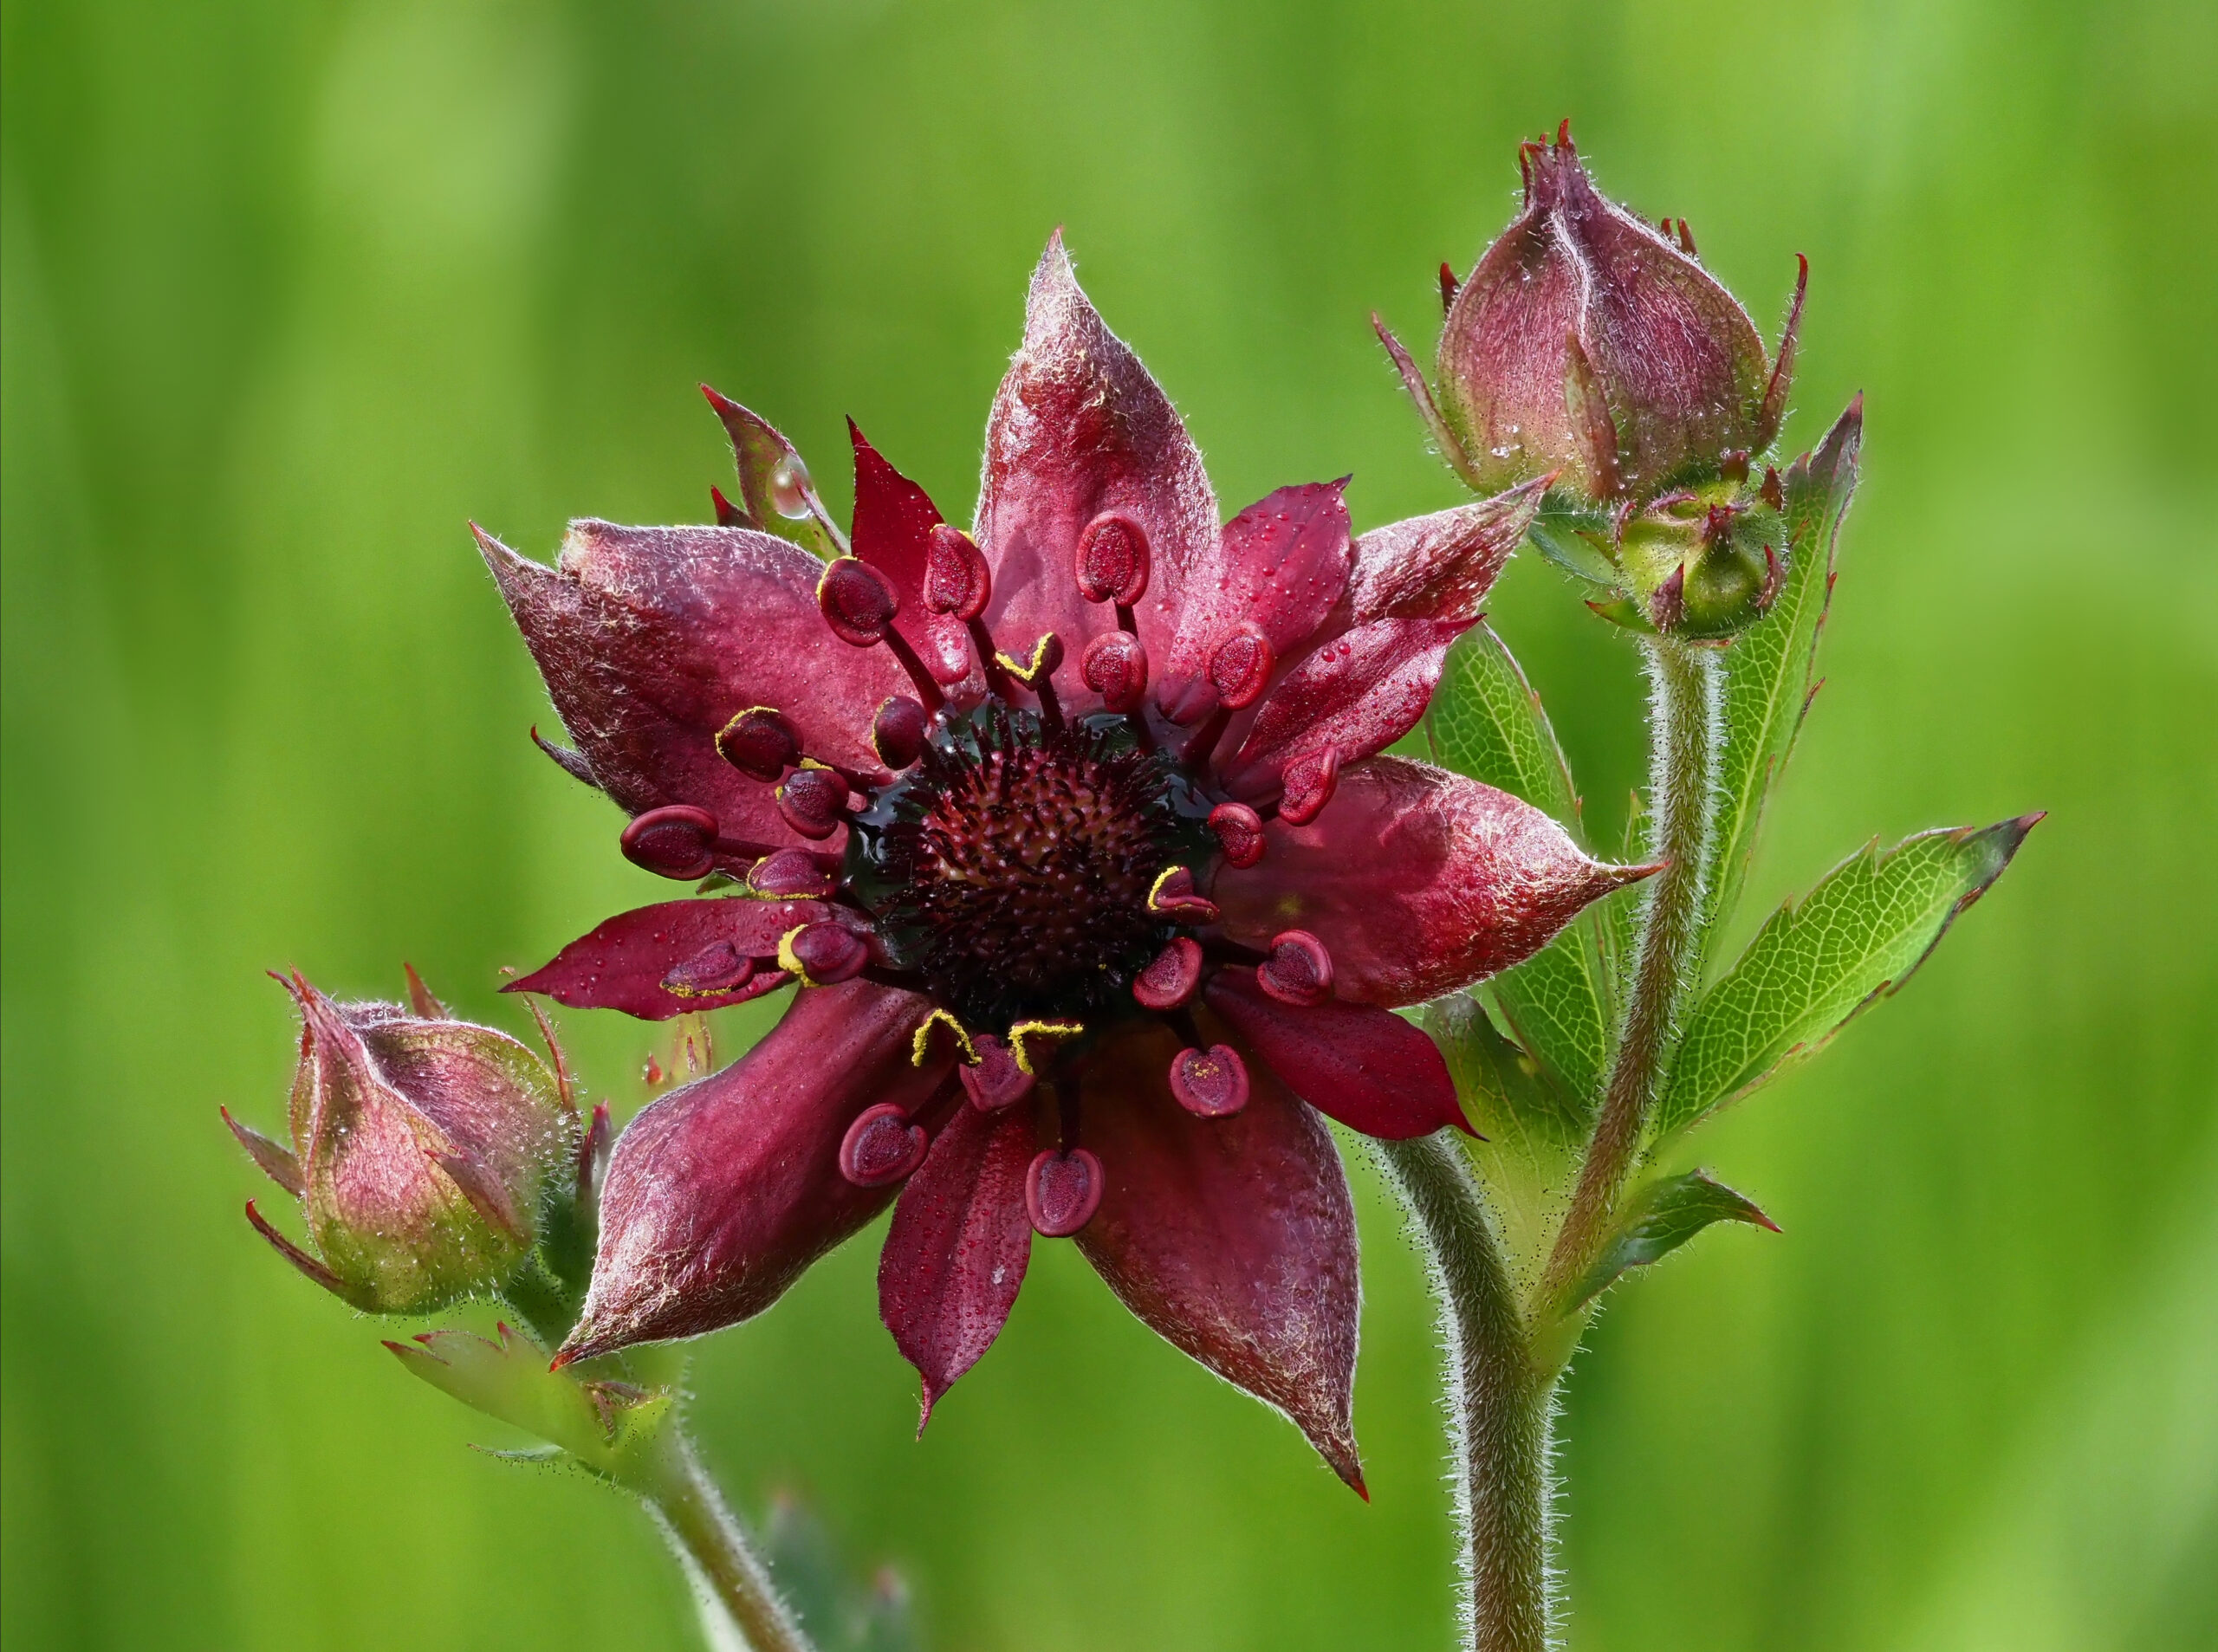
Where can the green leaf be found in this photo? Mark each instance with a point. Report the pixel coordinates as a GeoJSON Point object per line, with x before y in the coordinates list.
{"type": "Point", "coordinates": [1530, 1132]}
{"type": "Point", "coordinates": [1655, 1221]}
{"type": "Point", "coordinates": [1487, 723]}
{"type": "Point", "coordinates": [1861, 932]}
{"type": "Point", "coordinates": [1768, 669]}
{"type": "Point", "coordinates": [610, 1427]}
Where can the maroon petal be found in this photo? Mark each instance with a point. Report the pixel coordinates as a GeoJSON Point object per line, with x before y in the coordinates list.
{"type": "Point", "coordinates": [1079, 428]}
{"type": "Point", "coordinates": [1359, 694]}
{"type": "Point", "coordinates": [656, 961]}
{"type": "Point", "coordinates": [1367, 1067]}
{"type": "Point", "coordinates": [652, 639]}
{"type": "Point", "coordinates": [1234, 1239]}
{"type": "Point", "coordinates": [894, 519]}
{"type": "Point", "coordinates": [956, 1255]}
{"type": "Point", "coordinates": [1417, 881]}
{"type": "Point", "coordinates": [1280, 564]}
{"type": "Point", "coordinates": [1439, 566]}
{"type": "Point", "coordinates": [721, 1194]}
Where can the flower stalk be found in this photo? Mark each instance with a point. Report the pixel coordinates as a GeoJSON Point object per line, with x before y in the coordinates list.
{"type": "Point", "coordinates": [1686, 681]}
{"type": "Point", "coordinates": [716, 1551]}
{"type": "Point", "coordinates": [1501, 1406]}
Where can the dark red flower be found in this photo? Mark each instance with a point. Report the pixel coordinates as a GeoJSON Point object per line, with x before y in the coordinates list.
{"type": "Point", "coordinates": [1076, 831]}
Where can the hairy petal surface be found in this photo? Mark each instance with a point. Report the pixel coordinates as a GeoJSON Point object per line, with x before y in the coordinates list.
{"type": "Point", "coordinates": [1358, 693]}
{"type": "Point", "coordinates": [1233, 1238]}
{"type": "Point", "coordinates": [721, 1194]}
{"type": "Point", "coordinates": [956, 1255]}
{"type": "Point", "coordinates": [1439, 566]}
{"type": "Point", "coordinates": [1417, 881]}
{"type": "Point", "coordinates": [1078, 428]}
{"type": "Point", "coordinates": [652, 639]}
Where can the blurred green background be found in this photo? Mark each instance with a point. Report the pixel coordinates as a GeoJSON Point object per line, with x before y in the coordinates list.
{"type": "Point", "coordinates": [292, 290]}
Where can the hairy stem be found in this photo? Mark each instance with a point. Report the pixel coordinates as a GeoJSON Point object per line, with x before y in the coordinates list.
{"type": "Point", "coordinates": [1684, 684]}
{"type": "Point", "coordinates": [692, 1513]}
{"type": "Point", "coordinates": [1501, 1408]}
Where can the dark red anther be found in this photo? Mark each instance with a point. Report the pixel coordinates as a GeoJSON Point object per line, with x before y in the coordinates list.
{"type": "Point", "coordinates": [1174, 897]}
{"type": "Point", "coordinates": [1211, 1083]}
{"type": "Point", "coordinates": [1062, 1191]}
{"type": "Point", "coordinates": [760, 743]}
{"type": "Point", "coordinates": [1299, 970]}
{"type": "Point", "coordinates": [1309, 780]}
{"type": "Point", "coordinates": [1115, 667]}
{"type": "Point", "coordinates": [1669, 606]}
{"type": "Point", "coordinates": [882, 1147]}
{"type": "Point", "coordinates": [790, 875]}
{"type": "Point", "coordinates": [1241, 666]}
{"type": "Point", "coordinates": [719, 969]}
{"type": "Point", "coordinates": [1171, 980]}
{"type": "Point", "coordinates": [1113, 559]}
{"type": "Point", "coordinates": [898, 731]}
{"type": "Point", "coordinates": [678, 841]}
{"type": "Point", "coordinates": [857, 602]}
{"type": "Point", "coordinates": [814, 801]}
{"type": "Point", "coordinates": [956, 578]}
{"type": "Point", "coordinates": [996, 1081]}
{"type": "Point", "coordinates": [1239, 833]}
{"type": "Point", "coordinates": [823, 955]}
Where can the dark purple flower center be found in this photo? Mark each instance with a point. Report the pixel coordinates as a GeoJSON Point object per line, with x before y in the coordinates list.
{"type": "Point", "coordinates": [1012, 867]}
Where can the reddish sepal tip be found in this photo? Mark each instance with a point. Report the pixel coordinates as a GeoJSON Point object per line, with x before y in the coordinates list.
{"type": "Point", "coordinates": [760, 743]}
{"type": "Point", "coordinates": [1299, 970]}
{"type": "Point", "coordinates": [1171, 979]}
{"type": "Point", "coordinates": [813, 802]}
{"type": "Point", "coordinates": [677, 841]}
{"type": "Point", "coordinates": [1241, 666]}
{"type": "Point", "coordinates": [1062, 1191]}
{"type": "Point", "coordinates": [1211, 1083]}
{"type": "Point", "coordinates": [882, 1147]}
{"type": "Point", "coordinates": [856, 602]}
{"type": "Point", "coordinates": [1113, 559]}
{"type": "Point", "coordinates": [1115, 667]}
{"type": "Point", "coordinates": [956, 579]}
{"type": "Point", "coordinates": [1239, 832]}
{"type": "Point", "coordinates": [995, 1081]}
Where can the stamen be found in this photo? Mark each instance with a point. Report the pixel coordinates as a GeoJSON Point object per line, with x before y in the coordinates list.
{"type": "Point", "coordinates": [1239, 832]}
{"type": "Point", "coordinates": [790, 874]}
{"type": "Point", "coordinates": [1299, 970]}
{"type": "Point", "coordinates": [1113, 563]}
{"type": "Point", "coordinates": [1061, 1191]}
{"type": "Point", "coordinates": [813, 801]}
{"type": "Point", "coordinates": [1309, 781]}
{"type": "Point", "coordinates": [1028, 1059]}
{"type": "Point", "coordinates": [1174, 897]}
{"type": "Point", "coordinates": [823, 953]}
{"type": "Point", "coordinates": [1241, 665]}
{"type": "Point", "coordinates": [996, 1081]}
{"type": "Point", "coordinates": [859, 605]}
{"type": "Point", "coordinates": [1115, 667]}
{"type": "Point", "coordinates": [1039, 676]}
{"type": "Point", "coordinates": [760, 743]}
{"type": "Point", "coordinates": [920, 1046]}
{"type": "Point", "coordinates": [898, 733]}
{"type": "Point", "coordinates": [1211, 1083]}
{"type": "Point", "coordinates": [882, 1147]}
{"type": "Point", "coordinates": [1169, 980]}
{"type": "Point", "coordinates": [721, 968]}
{"type": "Point", "coordinates": [956, 579]}
{"type": "Point", "coordinates": [682, 842]}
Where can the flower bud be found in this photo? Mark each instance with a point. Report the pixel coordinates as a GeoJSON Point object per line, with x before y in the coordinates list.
{"type": "Point", "coordinates": [421, 1150]}
{"type": "Point", "coordinates": [1704, 564]}
{"type": "Point", "coordinates": [1588, 342]}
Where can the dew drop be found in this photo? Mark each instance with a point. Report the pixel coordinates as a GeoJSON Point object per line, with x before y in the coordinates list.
{"type": "Point", "coordinates": [789, 488]}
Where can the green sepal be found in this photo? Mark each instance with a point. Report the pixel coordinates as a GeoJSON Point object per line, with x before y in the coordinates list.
{"type": "Point", "coordinates": [1561, 533]}
{"type": "Point", "coordinates": [1624, 612]}
{"type": "Point", "coordinates": [1768, 668]}
{"type": "Point", "coordinates": [612, 1428]}
{"type": "Point", "coordinates": [1655, 1221]}
{"type": "Point", "coordinates": [1818, 962]}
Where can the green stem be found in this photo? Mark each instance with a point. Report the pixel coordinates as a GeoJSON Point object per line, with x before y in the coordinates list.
{"type": "Point", "coordinates": [1501, 1407]}
{"type": "Point", "coordinates": [1684, 681]}
{"type": "Point", "coordinates": [691, 1511]}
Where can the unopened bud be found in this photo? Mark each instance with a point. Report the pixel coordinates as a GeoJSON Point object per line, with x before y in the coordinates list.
{"type": "Point", "coordinates": [421, 1151]}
